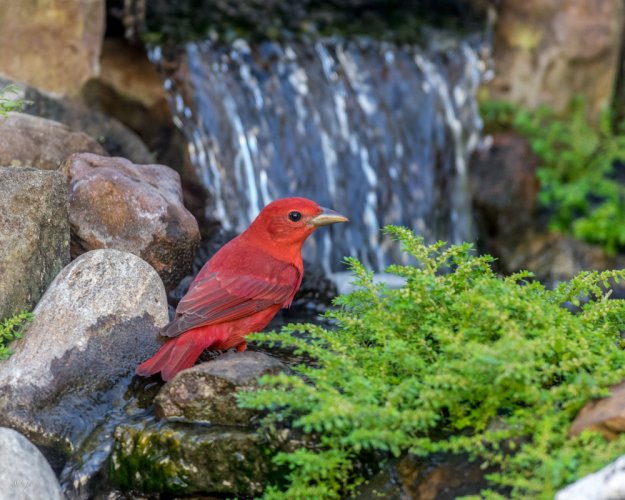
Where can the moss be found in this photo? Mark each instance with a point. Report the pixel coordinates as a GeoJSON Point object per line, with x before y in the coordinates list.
{"type": "Point", "coordinates": [175, 22]}
{"type": "Point", "coordinates": [177, 458]}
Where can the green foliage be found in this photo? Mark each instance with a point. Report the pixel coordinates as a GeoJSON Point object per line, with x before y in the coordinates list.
{"type": "Point", "coordinates": [577, 172]}
{"type": "Point", "coordinates": [8, 102]}
{"type": "Point", "coordinates": [11, 329]}
{"type": "Point", "coordinates": [458, 360]}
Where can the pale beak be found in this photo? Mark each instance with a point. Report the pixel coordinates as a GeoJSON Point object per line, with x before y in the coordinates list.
{"type": "Point", "coordinates": [327, 217]}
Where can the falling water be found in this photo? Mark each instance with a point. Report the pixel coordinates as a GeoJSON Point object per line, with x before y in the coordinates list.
{"type": "Point", "coordinates": [377, 131]}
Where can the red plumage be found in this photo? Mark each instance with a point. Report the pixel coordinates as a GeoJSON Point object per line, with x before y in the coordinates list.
{"type": "Point", "coordinates": [241, 288]}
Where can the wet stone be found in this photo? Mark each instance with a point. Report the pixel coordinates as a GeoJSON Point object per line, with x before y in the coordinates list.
{"type": "Point", "coordinates": [207, 392]}
{"type": "Point", "coordinates": [184, 459]}
{"type": "Point", "coordinates": [99, 318]}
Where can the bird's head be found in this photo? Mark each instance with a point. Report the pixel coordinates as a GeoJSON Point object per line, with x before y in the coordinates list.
{"type": "Point", "coordinates": [289, 221]}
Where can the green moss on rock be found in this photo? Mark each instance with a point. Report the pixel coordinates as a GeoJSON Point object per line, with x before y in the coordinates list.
{"type": "Point", "coordinates": [188, 459]}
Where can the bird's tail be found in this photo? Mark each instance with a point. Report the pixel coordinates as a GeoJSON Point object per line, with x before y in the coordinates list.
{"type": "Point", "coordinates": [174, 356]}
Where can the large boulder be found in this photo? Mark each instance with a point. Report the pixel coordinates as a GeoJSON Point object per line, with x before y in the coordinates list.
{"type": "Point", "coordinates": [24, 472]}
{"type": "Point", "coordinates": [208, 392]}
{"type": "Point", "coordinates": [51, 44]}
{"type": "Point", "coordinates": [96, 322]}
{"type": "Point", "coordinates": [30, 141]}
{"type": "Point", "coordinates": [135, 208]}
{"type": "Point", "coordinates": [34, 235]}
{"type": "Point", "coordinates": [547, 51]}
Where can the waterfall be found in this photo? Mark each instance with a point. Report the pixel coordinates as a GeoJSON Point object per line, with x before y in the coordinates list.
{"type": "Point", "coordinates": [377, 131]}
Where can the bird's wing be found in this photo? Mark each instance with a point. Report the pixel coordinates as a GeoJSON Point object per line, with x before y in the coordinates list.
{"type": "Point", "coordinates": [217, 298]}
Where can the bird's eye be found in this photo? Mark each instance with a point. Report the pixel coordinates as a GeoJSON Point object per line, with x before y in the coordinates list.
{"type": "Point", "coordinates": [295, 216]}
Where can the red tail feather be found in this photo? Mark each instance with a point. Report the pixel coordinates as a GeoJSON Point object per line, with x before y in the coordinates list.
{"type": "Point", "coordinates": [174, 356]}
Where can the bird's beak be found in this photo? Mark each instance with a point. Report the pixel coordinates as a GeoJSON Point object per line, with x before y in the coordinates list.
{"type": "Point", "coordinates": [327, 217]}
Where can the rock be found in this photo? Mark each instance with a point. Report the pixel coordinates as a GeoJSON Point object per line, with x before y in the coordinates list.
{"type": "Point", "coordinates": [504, 189]}
{"type": "Point", "coordinates": [52, 44]}
{"type": "Point", "coordinates": [135, 208]}
{"type": "Point", "coordinates": [606, 484]}
{"type": "Point", "coordinates": [115, 138]}
{"type": "Point", "coordinates": [34, 235]}
{"type": "Point", "coordinates": [438, 476]}
{"type": "Point", "coordinates": [207, 392]}
{"type": "Point", "coordinates": [130, 89]}
{"type": "Point", "coordinates": [30, 141]}
{"type": "Point", "coordinates": [96, 322]}
{"type": "Point", "coordinates": [24, 472]}
{"type": "Point", "coordinates": [443, 476]}
{"type": "Point", "coordinates": [547, 51]}
{"type": "Point", "coordinates": [605, 415]}
{"type": "Point", "coordinates": [182, 460]}
{"type": "Point", "coordinates": [556, 257]}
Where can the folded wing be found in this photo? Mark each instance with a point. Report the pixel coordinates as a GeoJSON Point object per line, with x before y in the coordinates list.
{"type": "Point", "coordinates": [219, 297]}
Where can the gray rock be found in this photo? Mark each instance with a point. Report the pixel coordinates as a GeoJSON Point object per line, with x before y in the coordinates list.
{"type": "Point", "coordinates": [34, 235]}
{"type": "Point", "coordinates": [135, 208]}
{"type": "Point", "coordinates": [24, 472]}
{"type": "Point", "coordinates": [97, 320]}
{"type": "Point", "coordinates": [207, 392]}
{"type": "Point", "coordinates": [30, 141]}
{"type": "Point", "coordinates": [606, 484]}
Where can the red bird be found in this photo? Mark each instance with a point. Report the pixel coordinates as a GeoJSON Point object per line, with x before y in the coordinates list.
{"type": "Point", "coordinates": [242, 287]}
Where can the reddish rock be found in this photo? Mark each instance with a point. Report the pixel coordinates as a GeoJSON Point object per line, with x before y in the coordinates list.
{"type": "Point", "coordinates": [30, 141]}
{"type": "Point", "coordinates": [603, 415]}
{"type": "Point", "coordinates": [115, 203]}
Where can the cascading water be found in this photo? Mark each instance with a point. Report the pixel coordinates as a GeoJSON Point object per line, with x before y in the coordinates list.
{"type": "Point", "coordinates": [377, 131]}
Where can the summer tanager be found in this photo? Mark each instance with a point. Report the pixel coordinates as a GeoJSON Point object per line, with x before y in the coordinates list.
{"type": "Point", "coordinates": [242, 287]}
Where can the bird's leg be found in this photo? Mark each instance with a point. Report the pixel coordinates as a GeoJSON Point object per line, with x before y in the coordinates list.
{"type": "Point", "coordinates": [242, 346]}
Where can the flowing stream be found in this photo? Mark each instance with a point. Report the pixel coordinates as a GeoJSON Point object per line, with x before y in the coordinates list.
{"type": "Point", "coordinates": [379, 132]}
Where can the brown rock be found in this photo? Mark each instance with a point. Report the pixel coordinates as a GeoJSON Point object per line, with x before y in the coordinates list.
{"type": "Point", "coordinates": [51, 44]}
{"type": "Point", "coordinates": [130, 89]}
{"type": "Point", "coordinates": [504, 188]}
{"type": "Point", "coordinates": [604, 415]}
{"type": "Point", "coordinates": [207, 392]}
{"type": "Point", "coordinates": [554, 257]}
{"type": "Point", "coordinates": [30, 141]}
{"type": "Point", "coordinates": [546, 51]}
{"type": "Point", "coordinates": [115, 203]}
